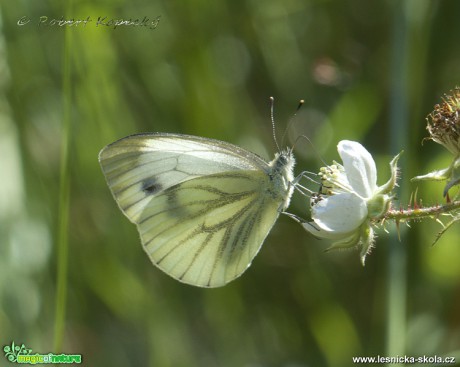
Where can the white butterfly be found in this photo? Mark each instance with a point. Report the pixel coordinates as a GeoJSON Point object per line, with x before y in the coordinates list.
{"type": "Point", "coordinates": [203, 207]}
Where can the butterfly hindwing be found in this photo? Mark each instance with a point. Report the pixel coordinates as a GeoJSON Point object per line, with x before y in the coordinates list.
{"type": "Point", "coordinates": [206, 231]}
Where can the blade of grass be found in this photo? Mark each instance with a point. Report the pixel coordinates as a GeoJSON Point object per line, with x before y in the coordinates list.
{"type": "Point", "coordinates": [408, 72]}
{"type": "Point", "coordinates": [397, 257]}
{"type": "Point", "coordinates": [64, 197]}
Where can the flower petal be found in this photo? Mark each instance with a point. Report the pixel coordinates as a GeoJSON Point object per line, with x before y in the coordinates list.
{"type": "Point", "coordinates": [359, 167]}
{"type": "Point", "coordinates": [325, 235]}
{"type": "Point", "coordinates": [341, 213]}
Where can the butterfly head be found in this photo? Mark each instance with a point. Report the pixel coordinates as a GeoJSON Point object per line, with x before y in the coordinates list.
{"type": "Point", "coordinates": [283, 164]}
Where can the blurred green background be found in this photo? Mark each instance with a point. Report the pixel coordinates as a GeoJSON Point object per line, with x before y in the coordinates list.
{"type": "Point", "coordinates": [368, 71]}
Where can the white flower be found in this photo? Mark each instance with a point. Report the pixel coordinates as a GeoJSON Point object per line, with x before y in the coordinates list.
{"type": "Point", "coordinates": [349, 200]}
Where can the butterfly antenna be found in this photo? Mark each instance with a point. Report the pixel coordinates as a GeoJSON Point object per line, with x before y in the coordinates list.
{"type": "Point", "coordinates": [313, 147]}
{"type": "Point", "coordinates": [291, 120]}
{"type": "Point", "coordinates": [272, 117]}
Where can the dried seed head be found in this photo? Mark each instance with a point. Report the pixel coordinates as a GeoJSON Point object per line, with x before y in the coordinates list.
{"type": "Point", "coordinates": [444, 122]}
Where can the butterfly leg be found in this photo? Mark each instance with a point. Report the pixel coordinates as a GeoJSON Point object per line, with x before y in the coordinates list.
{"type": "Point", "coordinates": [302, 189]}
{"type": "Point", "coordinates": [300, 220]}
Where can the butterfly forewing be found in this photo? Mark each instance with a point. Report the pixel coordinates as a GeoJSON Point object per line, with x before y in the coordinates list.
{"type": "Point", "coordinates": [140, 166]}
{"type": "Point", "coordinates": [202, 207]}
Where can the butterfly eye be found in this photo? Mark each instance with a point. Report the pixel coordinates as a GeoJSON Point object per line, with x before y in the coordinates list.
{"type": "Point", "coordinates": [282, 161]}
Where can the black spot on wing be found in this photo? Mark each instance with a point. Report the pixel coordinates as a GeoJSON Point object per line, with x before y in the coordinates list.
{"type": "Point", "coordinates": [151, 186]}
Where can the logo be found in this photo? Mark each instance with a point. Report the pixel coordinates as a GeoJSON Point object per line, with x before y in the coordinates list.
{"type": "Point", "coordinates": [21, 354]}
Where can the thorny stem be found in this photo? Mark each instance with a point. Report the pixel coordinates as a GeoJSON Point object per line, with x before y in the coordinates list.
{"type": "Point", "coordinates": [420, 213]}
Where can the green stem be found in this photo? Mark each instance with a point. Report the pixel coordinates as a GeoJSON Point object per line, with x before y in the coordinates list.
{"type": "Point", "coordinates": [421, 213]}
{"type": "Point", "coordinates": [64, 199]}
